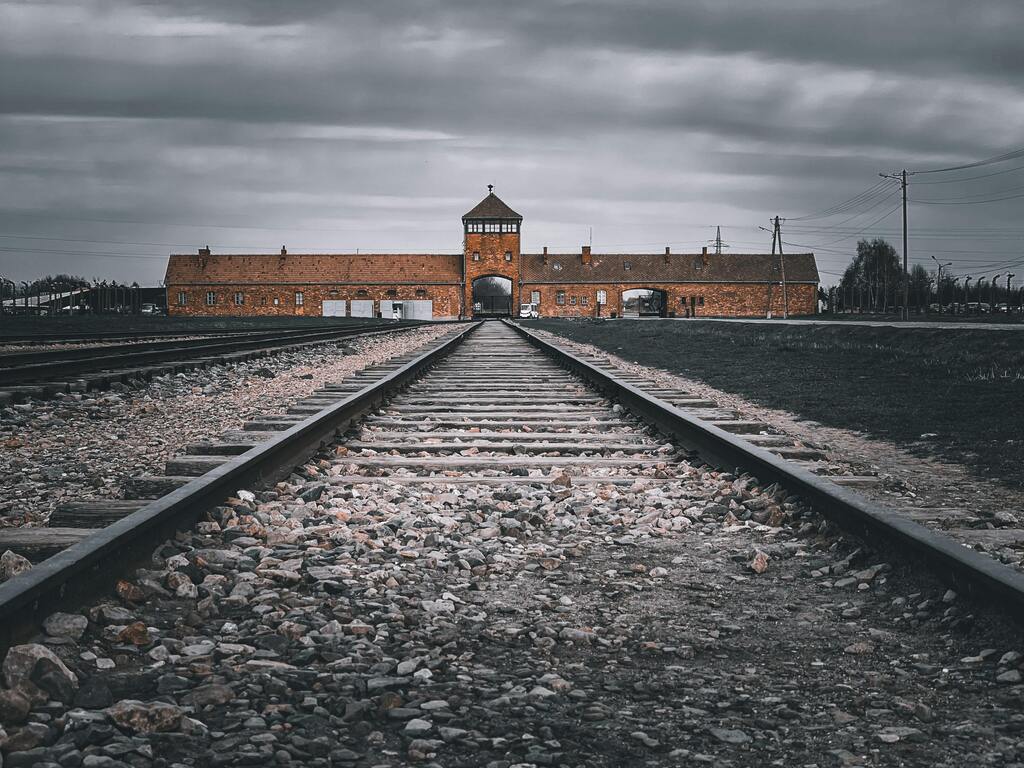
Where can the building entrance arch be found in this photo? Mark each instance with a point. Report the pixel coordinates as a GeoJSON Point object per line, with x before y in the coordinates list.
{"type": "Point", "coordinates": [492, 296]}
{"type": "Point", "coordinates": [644, 302]}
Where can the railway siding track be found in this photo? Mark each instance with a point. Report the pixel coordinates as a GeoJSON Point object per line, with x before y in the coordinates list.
{"type": "Point", "coordinates": [448, 415]}
{"type": "Point", "coordinates": [44, 374]}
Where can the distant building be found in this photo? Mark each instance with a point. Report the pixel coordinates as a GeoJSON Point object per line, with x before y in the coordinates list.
{"type": "Point", "coordinates": [492, 277]}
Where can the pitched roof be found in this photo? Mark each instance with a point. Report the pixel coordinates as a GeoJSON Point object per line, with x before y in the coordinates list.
{"type": "Point", "coordinates": [492, 207]}
{"type": "Point", "coordinates": [675, 267]}
{"type": "Point", "coordinates": [315, 268]}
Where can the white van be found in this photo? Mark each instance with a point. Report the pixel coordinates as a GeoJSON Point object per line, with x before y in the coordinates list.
{"type": "Point", "coordinates": [528, 311]}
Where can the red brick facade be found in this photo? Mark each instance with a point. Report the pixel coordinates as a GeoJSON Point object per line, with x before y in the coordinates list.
{"type": "Point", "coordinates": [566, 285]}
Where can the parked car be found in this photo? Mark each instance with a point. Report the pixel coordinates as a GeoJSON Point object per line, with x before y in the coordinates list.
{"type": "Point", "coordinates": [979, 307]}
{"type": "Point", "coordinates": [150, 309]}
{"type": "Point", "coordinates": [528, 311]}
{"type": "Point", "coordinates": [934, 308]}
{"type": "Point", "coordinates": [1002, 307]}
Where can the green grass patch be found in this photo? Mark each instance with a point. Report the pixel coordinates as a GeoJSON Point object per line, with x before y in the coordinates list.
{"type": "Point", "coordinates": [958, 394]}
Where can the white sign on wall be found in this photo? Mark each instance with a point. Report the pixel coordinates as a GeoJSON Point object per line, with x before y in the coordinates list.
{"type": "Point", "coordinates": [602, 297]}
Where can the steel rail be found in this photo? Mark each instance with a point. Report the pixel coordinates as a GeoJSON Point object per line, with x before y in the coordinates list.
{"type": "Point", "coordinates": [57, 337]}
{"type": "Point", "coordinates": [93, 565]}
{"type": "Point", "coordinates": [182, 341]}
{"type": "Point", "coordinates": [966, 570]}
{"type": "Point", "coordinates": [100, 359]}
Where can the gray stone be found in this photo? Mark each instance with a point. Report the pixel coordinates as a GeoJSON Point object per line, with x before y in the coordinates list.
{"type": "Point", "coordinates": [70, 625]}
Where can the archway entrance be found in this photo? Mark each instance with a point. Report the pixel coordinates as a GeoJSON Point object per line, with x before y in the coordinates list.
{"type": "Point", "coordinates": [644, 302]}
{"type": "Point", "coordinates": [492, 297]}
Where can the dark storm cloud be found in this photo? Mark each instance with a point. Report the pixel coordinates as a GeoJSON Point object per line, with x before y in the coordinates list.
{"type": "Point", "coordinates": [376, 124]}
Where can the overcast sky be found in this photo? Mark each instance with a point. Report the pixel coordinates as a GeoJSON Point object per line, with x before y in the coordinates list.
{"type": "Point", "coordinates": [144, 128]}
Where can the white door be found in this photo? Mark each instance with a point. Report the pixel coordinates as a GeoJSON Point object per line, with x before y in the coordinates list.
{"type": "Point", "coordinates": [362, 307]}
{"type": "Point", "coordinates": [334, 307]}
{"type": "Point", "coordinates": [420, 309]}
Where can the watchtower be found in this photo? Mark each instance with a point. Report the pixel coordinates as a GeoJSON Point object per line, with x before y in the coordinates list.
{"type": "Point", "coordinates": [491, 250]}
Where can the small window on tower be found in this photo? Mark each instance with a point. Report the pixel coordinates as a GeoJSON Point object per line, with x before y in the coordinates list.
{"type": "Point", "coordinates": [476, 255]}
{"type": "Point", "coordinates": [627, 265]}
{"type": "Point", "coordinates": [362, 292]}
{"type": "Point", "coordinates": [421, 293]}
{"type": "Point", "coordinates": [392, 293]}
{"type": "Point", "coordinates": [508, 255]}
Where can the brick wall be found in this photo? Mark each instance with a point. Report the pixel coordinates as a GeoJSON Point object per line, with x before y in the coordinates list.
{"type": "Point", "coordinates": [259, 299]}
{"type": "Point", "coordinates": [719, 299]}
{"type": "Point", "coordinates": [492, 247]}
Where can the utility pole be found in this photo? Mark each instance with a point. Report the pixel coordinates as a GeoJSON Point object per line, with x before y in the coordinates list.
{"type": "Point", "coordinates": [718, 242]}
{"type": "Point", "coordinates": [777, 237]}
{"type": "Point", "coordinates": [1009, 296]}
{"type": "Point", "coordinates": [902, 178]}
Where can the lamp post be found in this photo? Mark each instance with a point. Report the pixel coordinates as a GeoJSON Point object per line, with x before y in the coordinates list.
{"type": "Point", "coordinates": [1009, 296]}
{"type": "Point", "coordinates": [994, 291]}
{"type": "Point", "coordinates": [967, 291]}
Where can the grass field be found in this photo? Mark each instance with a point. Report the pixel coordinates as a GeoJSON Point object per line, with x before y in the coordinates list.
{"type": "Point", "coordinates": [964, 389]}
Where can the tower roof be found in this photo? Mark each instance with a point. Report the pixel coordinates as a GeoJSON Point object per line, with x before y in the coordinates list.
{"type": "Point", "coordinates": [492, 207]}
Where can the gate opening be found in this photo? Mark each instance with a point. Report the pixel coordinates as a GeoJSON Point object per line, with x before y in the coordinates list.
{"type": "Point", "coordinates": [643, 302]}
{"type": "Point", "coordinates": [492, 297]}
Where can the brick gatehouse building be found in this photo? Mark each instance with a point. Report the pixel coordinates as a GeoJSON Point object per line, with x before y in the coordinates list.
{"type": "Point", "coordinates": [492, 277]}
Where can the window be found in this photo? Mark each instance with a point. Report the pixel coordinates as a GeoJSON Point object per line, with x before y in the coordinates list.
{"type": "Point", "coordinates": [492, 226]}
{"type": "Point", "coordinates": [700, 301]}
{"type": "Point", "coordinates": [572, 300]}
{"type": "Point", "coordinates": [475, 226]}
{"type": "Point", "coordinates": [698, 264]}
{"type": "Point", "coordinates": [362, 292]}
{"type": "Point", "coordinates": [392, 293]}
{"type": "Point", "coordinates": [557, 266]}
{"type": "Point", "coordinates": [682, 300]}
{"type": "Point", "coordinates": [421, 293]}
{"type": "Point", "coordinates": [299, 298]}
{"type": "Point", "coordinates": [627, 265]}
{"type": "Point", "coordinates": [509, 226]}
{"type": "Point", "coordinates": [535, 297]}
{"type": "Point", "coordinates": [602, 297]}
{"type": "Point", "coordinates": [585, 300]}
{"type": "Point", "coordinates": [476, 255]}
{"type": "Point", "coordinates": [508, 255]}
{"type": "Point", "coordinates": [560, 297]}
{"type": "Point", "coordinates": [182, 298]}
{"type": "Point", "coordinates": [239, 298]}
{"type": "Point", "coordinates": [211, 298]}
{"type": "Point", "coordinates": [277, 301]}
{"type": "Point", "coordinates": [263, 301]}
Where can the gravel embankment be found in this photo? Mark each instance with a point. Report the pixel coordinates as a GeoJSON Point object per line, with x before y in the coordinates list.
{"type": "Point", "coordinates": [698, 621]}
{"type": "Point", "coordinates": [85, 445]}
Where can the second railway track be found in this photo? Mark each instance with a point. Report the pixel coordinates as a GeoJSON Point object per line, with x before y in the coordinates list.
{"type": "Point", "coordinates": [42, 372]}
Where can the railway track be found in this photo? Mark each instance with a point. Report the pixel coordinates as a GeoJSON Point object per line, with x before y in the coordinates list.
{"type": "Point", "coordinates": [45, 372]}
{"type": "Point", "coordinates": [433, 447]}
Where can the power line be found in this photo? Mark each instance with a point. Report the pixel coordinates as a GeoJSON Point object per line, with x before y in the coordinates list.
{"type": "Point", "coordinates": [989, 161]}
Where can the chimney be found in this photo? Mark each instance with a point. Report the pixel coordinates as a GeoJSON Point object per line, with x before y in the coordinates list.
{"type": "Point", "coordinates": [668, 252]}
{"type": "Point", "coordinates": [284, 251]}
{"type": "Point", "coordinates": [704, 251]}
{"type": "Point", "coordinates": [545, 255]}
{"type": "Point", "coordinates": [204, 251]}
{"type": "Point", "coordinates": [585, 255]}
